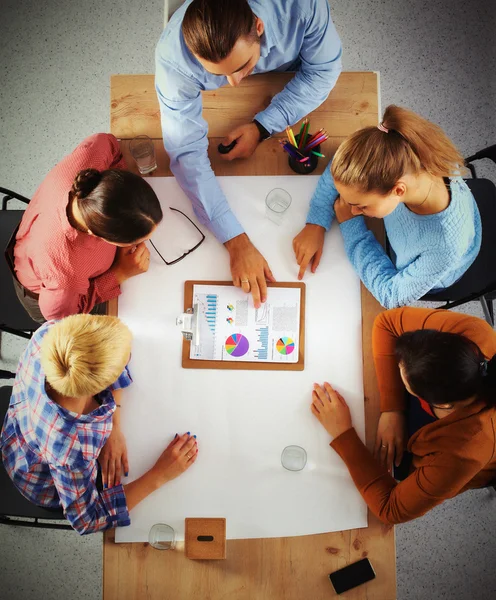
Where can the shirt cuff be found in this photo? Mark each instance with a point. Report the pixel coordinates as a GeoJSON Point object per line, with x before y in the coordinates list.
{"type": "Point", "coordinates": [270, 119]}
{"type": "Point", "coordinates": [320, 216]}
{"type": "Point", "coordinates": [124, 381]}
{"type": "Point", "coordinates": [107, 286]}
{"type": "Point", "coordinates": [114, 500]}
{"type": "Point", "coordinates": [226, 227]}
{"type": "Point", "coordinates": [393, 402]}
{"type": "Point", "coordinates": [362, 465]}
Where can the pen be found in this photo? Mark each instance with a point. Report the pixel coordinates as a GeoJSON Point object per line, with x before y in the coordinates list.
{"type": "Point", "coordinates": [292, 137]}
{"type": "Point", "coordinates": [302, 129]}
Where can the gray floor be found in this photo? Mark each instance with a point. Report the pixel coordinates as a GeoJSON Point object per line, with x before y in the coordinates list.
{"type": "Point", "coordinates": [436, 57]}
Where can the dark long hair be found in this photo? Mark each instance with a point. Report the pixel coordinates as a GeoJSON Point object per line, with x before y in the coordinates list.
{"type": "Point", "coordinates": [118, 206]}
{"type": "Point", "coordinates": [445, 368]}
{"type": "Point", "coordinates": [211, 28]}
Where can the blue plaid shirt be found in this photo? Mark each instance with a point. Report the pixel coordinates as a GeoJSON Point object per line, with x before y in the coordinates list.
{"type": "Point", "coordinates": [51, 453]}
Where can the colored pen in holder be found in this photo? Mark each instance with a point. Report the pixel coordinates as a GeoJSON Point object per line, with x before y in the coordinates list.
{"type": "Point", "coordinates": [303, 149]}
{"type": "Point", "coordinates": [308, 166]}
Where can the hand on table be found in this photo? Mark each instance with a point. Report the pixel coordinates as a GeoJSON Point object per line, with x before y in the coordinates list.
{"type": "Point", "coordinates": [308, 246]}
{"type": "Point", "coordinates": [113, 458]}
{"type": "Point", "coordinates": [250, 271]}
{"type": "Point", "coordinates": [179, 455]}
{"type": "Point", "coordinates": [390, 441]}
{"type": "Point", "coordinates": [331, 410]}
{"type": "Point", "coordinates": [247, 139]}
{"type": "Point", "coordinates": [131, 261]}
{"type": "Point", "coordinates": [342, 211]}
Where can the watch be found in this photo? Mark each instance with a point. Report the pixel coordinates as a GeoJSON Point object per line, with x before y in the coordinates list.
{"type": "Point", "coordinates": [264, 134]}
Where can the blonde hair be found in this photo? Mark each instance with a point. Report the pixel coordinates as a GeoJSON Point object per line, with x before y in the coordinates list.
{"type": "Point", "coordinates": [82, 355]}
{"type": "Point", "coordinates": [374, 160]}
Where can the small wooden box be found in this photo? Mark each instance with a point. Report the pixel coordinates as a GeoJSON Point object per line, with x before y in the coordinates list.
{"type": "Point", "coordinates": [205, 539]}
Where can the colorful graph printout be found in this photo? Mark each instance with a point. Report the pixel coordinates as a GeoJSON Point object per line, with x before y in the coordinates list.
{"type": "Point", "coordinates": [231, 328]}
{"type": "Point", "coordinates": [285, 345]}
{"type": "Point", "coordinates": [237, 345]}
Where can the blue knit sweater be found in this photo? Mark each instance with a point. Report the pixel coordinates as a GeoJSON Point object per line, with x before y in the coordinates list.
{"type": "Point", "coordinates": [431, 251]}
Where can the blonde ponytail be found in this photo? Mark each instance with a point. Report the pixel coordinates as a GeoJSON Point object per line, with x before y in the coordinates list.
{"type": "Point", "coordinates": [374, 160]}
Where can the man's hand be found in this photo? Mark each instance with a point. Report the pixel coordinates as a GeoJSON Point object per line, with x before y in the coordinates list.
{"type": "Point", "coordinates": [113, 458]}
{"type": "Point", "coordinates": [308, 246]}
{"type": "Point", "coordinates": [247, 139]}
{"type": "Point", "coordinates": [331, 410]}
{"type": "Point", "coordinates": [249, 269]}
{"type": "Point", "coordinates": [390, 441]}
{"type": "Point", "coordinates": [342, 210]}
{"type": "Point", "coordinates": [130, 261]}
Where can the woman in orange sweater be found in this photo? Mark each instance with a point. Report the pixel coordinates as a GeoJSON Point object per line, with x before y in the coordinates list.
{"type": "Point", "coordinates": [436, 372]}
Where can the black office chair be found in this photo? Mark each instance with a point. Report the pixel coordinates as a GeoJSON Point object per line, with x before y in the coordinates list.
{"type": "Point", "coordinates": [479, 281]}
{"type": "Point", "coordinates": [14, 508]}
{"type": "Point", "coordinates": [13, 318]}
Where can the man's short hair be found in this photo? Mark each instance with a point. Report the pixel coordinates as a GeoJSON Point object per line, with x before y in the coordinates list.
{"type": "Point", "coordinates": [211, 28]}
{"type": "Point", "coordinates": [82, 355]}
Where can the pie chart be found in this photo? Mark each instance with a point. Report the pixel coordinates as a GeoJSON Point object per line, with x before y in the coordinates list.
{"type": "Point", "coordinates": [237, 345]}
{"type": "Point", "coordinates": [285, 345]}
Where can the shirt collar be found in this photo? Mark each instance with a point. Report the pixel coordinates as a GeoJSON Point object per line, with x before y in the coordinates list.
{"type": "Point", "coordinates": [99, 414]}
{"type": "Point", "coordinates": [267, 41]}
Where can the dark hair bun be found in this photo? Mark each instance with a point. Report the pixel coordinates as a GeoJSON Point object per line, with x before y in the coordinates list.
{"type": "Point", "coordinates": [85, 182]}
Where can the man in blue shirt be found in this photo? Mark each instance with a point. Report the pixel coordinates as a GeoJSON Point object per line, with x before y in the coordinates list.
{"type": "Point", "coordinates": [209, 43]}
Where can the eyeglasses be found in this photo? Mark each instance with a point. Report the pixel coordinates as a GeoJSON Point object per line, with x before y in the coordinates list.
{"type": "Point", "coordinates": [188, 251]}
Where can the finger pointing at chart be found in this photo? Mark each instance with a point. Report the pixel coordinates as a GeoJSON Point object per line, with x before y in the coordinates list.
{"type": "Point", "coordinates": [249, 268]}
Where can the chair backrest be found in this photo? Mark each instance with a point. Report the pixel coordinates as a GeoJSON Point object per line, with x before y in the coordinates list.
{"type": "Point", "coordinates": [170, 7]}
{"type": "Point", "coordinates": [480, 278]}
{"type": "Point", "coordinates": [12, 502]}
{"type": "Point", "coordinates": [13, 317]}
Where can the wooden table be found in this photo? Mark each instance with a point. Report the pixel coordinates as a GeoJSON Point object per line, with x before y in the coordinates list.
{"type": "Point", "coordinates": [264, 569]}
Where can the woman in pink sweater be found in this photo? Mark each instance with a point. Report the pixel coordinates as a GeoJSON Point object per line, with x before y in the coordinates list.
{"type": "Point", "coordinates": [83, 232]}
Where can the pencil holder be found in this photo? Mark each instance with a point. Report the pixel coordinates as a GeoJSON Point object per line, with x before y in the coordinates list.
{"type": "Point", "coordinates": [306, 167]}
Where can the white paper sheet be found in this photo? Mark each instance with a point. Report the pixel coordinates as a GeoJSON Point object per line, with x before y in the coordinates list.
{"type": "Point", "coordinates": [231, 328]}
{"type": "Point", "coordinates": [243, 419]}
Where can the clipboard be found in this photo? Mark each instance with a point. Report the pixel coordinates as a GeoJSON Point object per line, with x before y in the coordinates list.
{"type": "Point", "coordinates": [191, 363]}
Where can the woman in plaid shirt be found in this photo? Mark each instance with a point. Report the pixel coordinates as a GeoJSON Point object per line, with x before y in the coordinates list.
{"type": "Point", "coordinates": [63, 420]}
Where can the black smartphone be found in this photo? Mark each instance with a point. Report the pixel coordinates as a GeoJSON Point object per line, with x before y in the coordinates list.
{"type": "Point", "coordinates": [352, 575]}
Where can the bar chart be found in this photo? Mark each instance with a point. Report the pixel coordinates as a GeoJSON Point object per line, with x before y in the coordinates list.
{"type": "Point", "coordinates": [211, 311]}
{"type": "Point", "coordinates": [262, 353]}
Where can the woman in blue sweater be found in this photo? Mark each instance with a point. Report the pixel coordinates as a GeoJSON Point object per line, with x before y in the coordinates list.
{"type": "Point", "coordinates": [407, 172]}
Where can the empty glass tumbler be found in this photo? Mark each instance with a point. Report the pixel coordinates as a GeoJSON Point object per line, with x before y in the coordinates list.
{"type": "Point", "coordinates": [143, 152]}
{"type": "Point", "coordinates": [162, 537]}
{"type": "Point", "coordinates": [294, 458]}
{"type": "Point", "coordinates": [276, 204]}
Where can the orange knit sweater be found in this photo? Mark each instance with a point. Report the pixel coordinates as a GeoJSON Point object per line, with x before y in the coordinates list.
{"type": "Point", "coordinates": [451, 455]}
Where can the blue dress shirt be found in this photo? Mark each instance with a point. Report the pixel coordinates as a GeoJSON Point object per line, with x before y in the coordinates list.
{"type": "Point", "coordinates": [299, 35]}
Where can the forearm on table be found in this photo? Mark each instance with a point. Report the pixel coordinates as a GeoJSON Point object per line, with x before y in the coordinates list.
{"type": "Point", "coordinates": [141, 488]}
{"type": "Point", "coordinates": [321, 211]}
{"type": "Point", "coordinates": [207, 198]}
{"type": "Point", "coordinates": [392, 287]}
{"type": "Point", "coordinates": [372, 480]}
{"type": "Point", "coordinates": [104, 287]}
{"type": "Point", "coordinates": [304, 93]}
